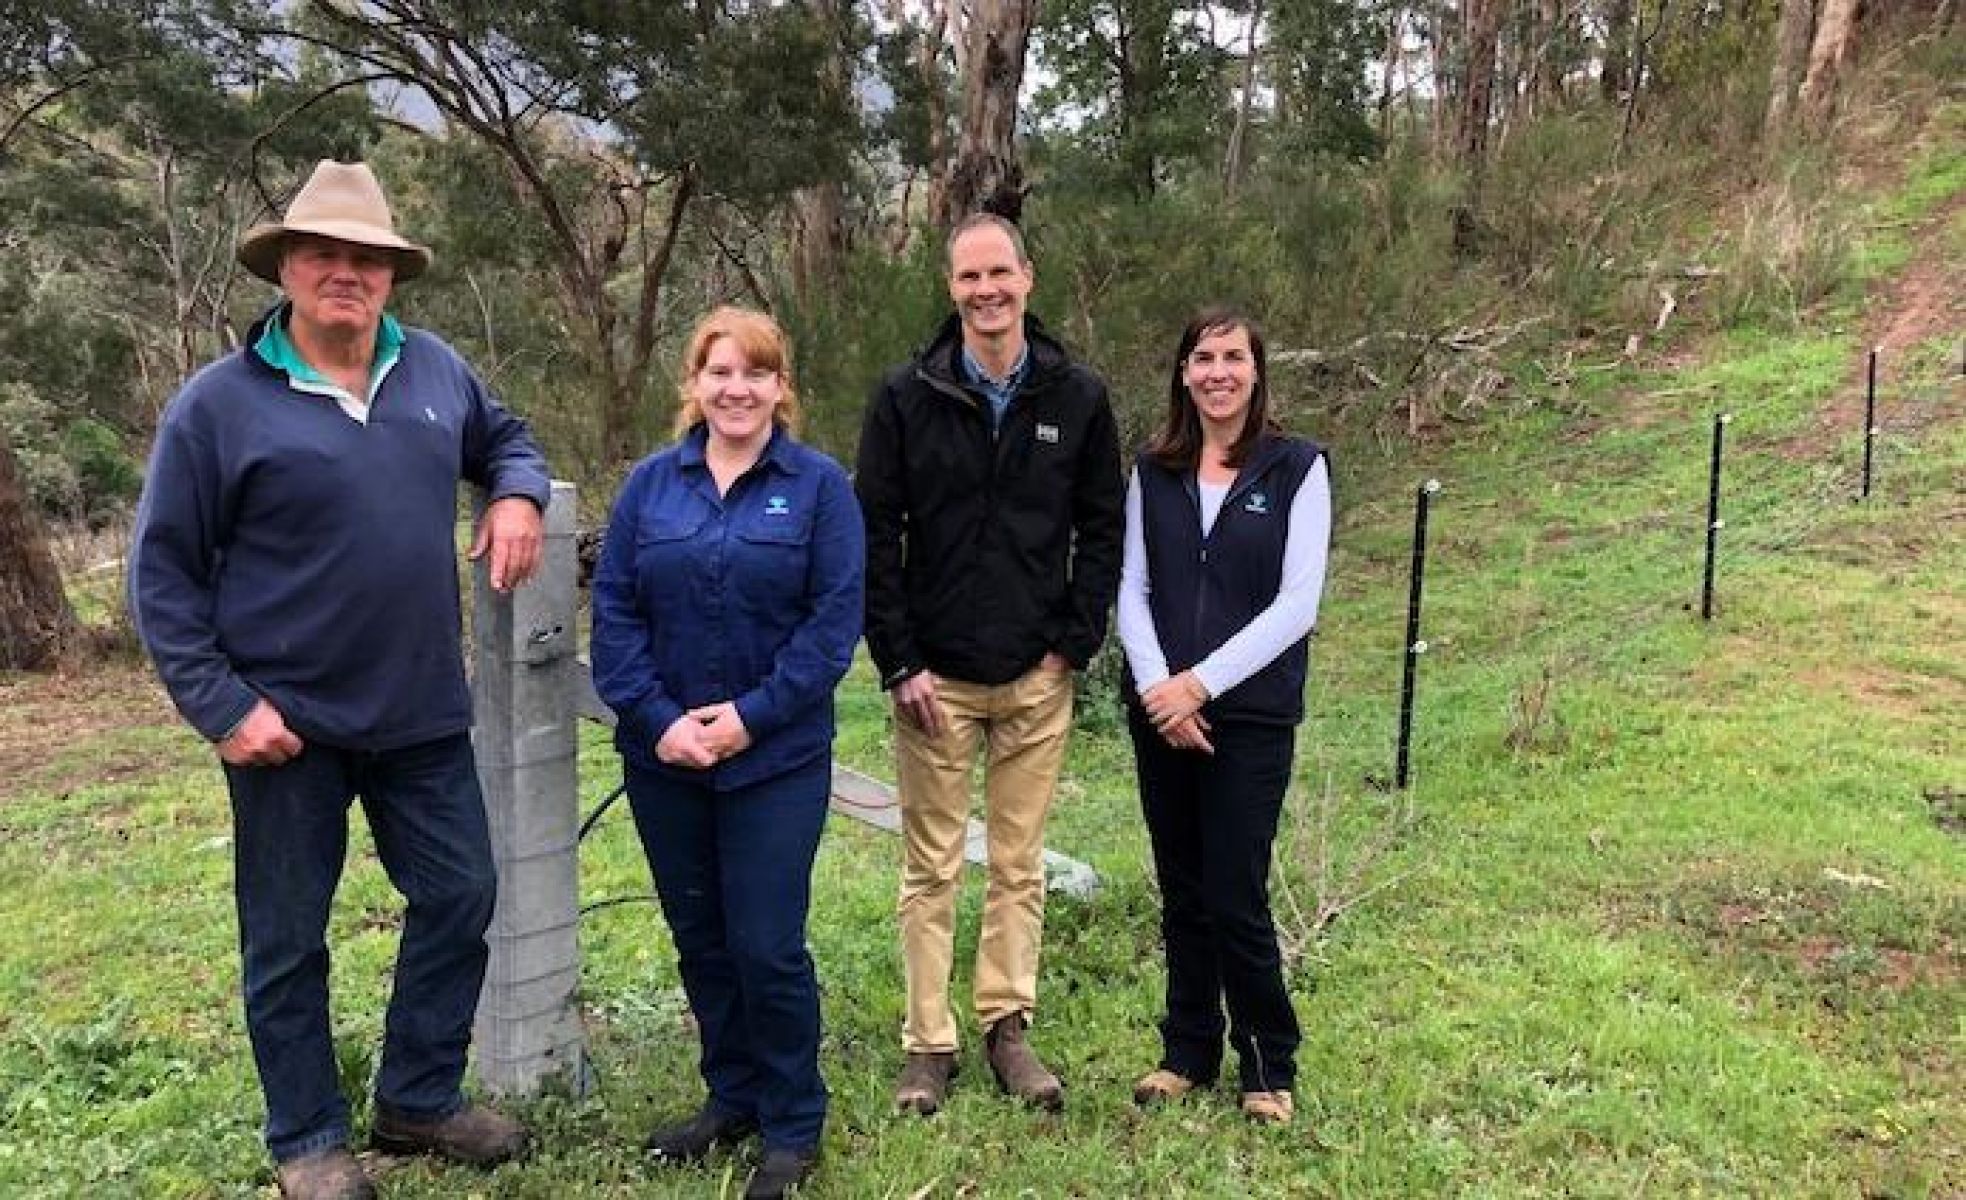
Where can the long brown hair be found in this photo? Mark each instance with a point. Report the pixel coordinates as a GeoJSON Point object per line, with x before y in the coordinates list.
{"type": "Point", "coordinates": [1177, 444]}
{"type": "Point", "coordinates": [760, 341]}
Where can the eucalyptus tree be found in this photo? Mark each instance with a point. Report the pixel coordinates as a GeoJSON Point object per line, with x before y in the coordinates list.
{"type": "Point", "coordinates": [135, 137]}
{"type": "Point", "coordinates": [1137, 84]}
{"type": "Point", "coordinates": [1321, 52]}
{"type": "Point", "coordinates": [986, 173]}
{"type": "Point", "coordinates": [606, 127]}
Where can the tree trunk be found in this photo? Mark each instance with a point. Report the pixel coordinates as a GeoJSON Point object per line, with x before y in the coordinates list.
{"type": "Point", "coordinates": [819, 238]}
{"type": "Point", "coordinates": [819, 212]}
{"type": "Point", "coordinates": [1443, 81]}
{"type": "Point", "coordinates": [1232, 163]}
{"type": "Point", "coordinates": [1508, 99]}
{"type": "Point", "coordinates": [1792, 38]}
{"type": "Point", "coordinates": [1551, 56]}
{"type": "Point", "coordinates": [1478, 88]}
{"type": "Point", "coordinates": [986, 175]}
{"type": "Point", "coordinates": [35, 619]}
{"type": "Point", "coordinates": [1395, 60]}
{"type": "Point", "coordinates": [1617, 49]}
{"type": "Point", "coordinates": [1836, 36]}
{"type": "Point", "coordinates": [1471, 136]}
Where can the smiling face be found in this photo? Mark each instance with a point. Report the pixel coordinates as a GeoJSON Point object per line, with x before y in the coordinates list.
{"type": "Point", "coordinates": [338, 289]}
{"type": "Point", "coordinates": [1220, 375]}
{"type": "Point", "coordinates": [738, 399]}
{"type": "Point", "coordinates": [989, 283]}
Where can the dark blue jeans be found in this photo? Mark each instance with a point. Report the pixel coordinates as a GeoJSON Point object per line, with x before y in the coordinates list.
{"type": "Point", "coordinates": [734, 872]}
{"type": "Point", "coordinates": [1213, 820]}
{"type": "Point", "coordinates": [290, 836]}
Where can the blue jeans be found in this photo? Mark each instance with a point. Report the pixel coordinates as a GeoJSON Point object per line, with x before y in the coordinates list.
{"type": "Point", "coordinates": [290, 836]}
{"type": "Point", "coordinates": [734, 873]}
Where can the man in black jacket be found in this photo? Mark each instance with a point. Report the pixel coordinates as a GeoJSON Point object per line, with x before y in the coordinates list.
{"type": "Point", "coordinates": [990, 478]}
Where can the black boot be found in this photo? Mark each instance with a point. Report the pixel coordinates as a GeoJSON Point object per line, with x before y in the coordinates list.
{"type": "Point", "coordinates": [693, 1140]}
{"type": "Point", "coordinates": [780, 1172]}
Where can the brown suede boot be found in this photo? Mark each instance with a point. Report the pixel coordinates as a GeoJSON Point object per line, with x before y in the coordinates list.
{"type": "Point", "coordinates": [473, 1134]}
{"type": "Point", "coordinates": [924, 1082]}
{"type": "Point", "coordinates": [331, 1174]}
{"type": "Point", "coordinates": [1018, 1070]}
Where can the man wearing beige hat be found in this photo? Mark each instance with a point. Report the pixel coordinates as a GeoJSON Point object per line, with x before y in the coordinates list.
{"type": "Point", "coordinates": [293, 576]}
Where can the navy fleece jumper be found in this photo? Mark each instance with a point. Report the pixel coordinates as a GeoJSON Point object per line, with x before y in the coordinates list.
{"type": "Point", "coordinates": [286, 550]}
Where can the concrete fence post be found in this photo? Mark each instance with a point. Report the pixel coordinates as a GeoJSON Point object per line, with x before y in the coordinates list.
{"type": "Point", "coordinates": [524, 686]}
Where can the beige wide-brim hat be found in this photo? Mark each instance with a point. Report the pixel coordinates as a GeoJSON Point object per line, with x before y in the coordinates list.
{"type": "Point", "coordinates": [341, 201]}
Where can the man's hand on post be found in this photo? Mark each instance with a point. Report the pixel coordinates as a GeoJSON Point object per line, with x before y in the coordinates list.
{"type": "Point", "coordinates": [914, 700]}
{"type": "Point", "coordinates": [261, 740]}
{"type": "Point", "coordinates": [513, 531]}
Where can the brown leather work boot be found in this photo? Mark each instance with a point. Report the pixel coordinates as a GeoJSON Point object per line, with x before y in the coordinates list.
{"type": "Point", "coordinates": [1017, 1067]}
{"type": "Point", "coordinates": [331, 1174]}
{"type": "Point", "coordinates": [473, 1134]}
{"type": "Point", "coordinates": [924, 1082]}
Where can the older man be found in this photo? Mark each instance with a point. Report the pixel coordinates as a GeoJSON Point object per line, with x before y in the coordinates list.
{"type": "Point", "coordinates": [989, 475]}
{"type": "Point", "coordinates": [294, 579]}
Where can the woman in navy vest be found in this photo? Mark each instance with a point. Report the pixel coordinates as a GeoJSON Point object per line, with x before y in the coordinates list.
{"type": "Point", "coordinates": [727, 602]}
{"type": "Point", "coordinates": [1227, 524]}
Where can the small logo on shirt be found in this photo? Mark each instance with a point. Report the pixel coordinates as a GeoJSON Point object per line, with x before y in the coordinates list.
{"type": "Point", "coordinates": [1257, 503]}
{"type": "Point", "coordinates": [777, 506]}
{"type": "Point", "coordinates": [430, 414]}
{"type": "Point", "coordinates": [1048, 433]}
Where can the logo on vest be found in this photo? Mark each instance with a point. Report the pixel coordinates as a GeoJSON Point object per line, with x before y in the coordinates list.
{"type": "Point", "coordinates": [1048, 433]}
{"type": "Point", "coordinates": [1258, 503]}
{"type": "Point", "coordinates": [777, 506]}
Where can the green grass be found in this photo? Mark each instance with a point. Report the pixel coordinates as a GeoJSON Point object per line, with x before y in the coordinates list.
{"type": "Point", "coordinates": [1674, 916]}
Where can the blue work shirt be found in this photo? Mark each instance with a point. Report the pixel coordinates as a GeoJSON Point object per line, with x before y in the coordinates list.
{"type": "Point", "coordinates": [754, 596]}
{"type": "Point", "coordinates": [997, 391]}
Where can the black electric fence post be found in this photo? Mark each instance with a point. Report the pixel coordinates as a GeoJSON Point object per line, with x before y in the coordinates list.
{"type": "Point", "coordinates": [1720, 421]}
{"type": "Point", "coordinates": [1870, 419]}
{"type": "Point", "coordinates": [1414, 646]}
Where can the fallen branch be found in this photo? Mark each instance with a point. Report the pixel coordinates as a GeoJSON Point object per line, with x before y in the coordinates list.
{"type": "Point", "coordinates": [1462, 340]}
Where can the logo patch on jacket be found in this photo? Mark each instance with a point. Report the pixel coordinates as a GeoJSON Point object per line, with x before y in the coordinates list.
{"type": "Point", "coordinates": [777, 506]}
{"type": "Point", "coordinates": [1257, 503]}
{"type": "Point", "coordinates": [1048, 433]}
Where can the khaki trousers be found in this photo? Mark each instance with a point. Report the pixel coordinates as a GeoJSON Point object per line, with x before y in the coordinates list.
{"type": "Point", "coordinates": [1025, 724]}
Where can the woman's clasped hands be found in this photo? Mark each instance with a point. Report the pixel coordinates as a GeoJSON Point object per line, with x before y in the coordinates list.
{"type": "Point", "coordinates": [704, 737]}
{"type": "Point", "coordinates": [1174, 707]}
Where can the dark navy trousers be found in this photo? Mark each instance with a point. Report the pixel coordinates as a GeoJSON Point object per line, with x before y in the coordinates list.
{"type": "Point", "coordinates": [290, 837]}
{"type": "Point", "coordinates": [1213, 821]}
{"type": "Point", "coordinates": [734, 872]}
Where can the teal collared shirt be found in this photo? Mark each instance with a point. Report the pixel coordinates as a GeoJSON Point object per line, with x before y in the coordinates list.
{"type": "Point", "coordinates": [277, 350]}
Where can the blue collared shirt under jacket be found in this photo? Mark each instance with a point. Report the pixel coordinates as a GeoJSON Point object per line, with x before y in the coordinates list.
{"type": "Point", "coordinates": [753, 597]}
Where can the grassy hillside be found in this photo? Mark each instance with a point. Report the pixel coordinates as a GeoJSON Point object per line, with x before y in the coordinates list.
{"type": "Point", "coordinates": [1673, 908]}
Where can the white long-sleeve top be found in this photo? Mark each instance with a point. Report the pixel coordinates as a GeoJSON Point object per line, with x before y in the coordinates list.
{"type": "Point", "coordinates": [1287, 618]}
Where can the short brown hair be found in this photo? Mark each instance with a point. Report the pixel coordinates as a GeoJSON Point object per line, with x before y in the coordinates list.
{"type": "Point", "coordinates": [986, 220]}
{"type": "Point", "coordinates": [759, 340]}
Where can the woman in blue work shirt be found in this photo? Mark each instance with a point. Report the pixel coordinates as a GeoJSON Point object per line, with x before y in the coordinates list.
{"type": "Point", "coordinates": [1227, 523]}
{"type": "Point", "coordinates": [726, 606]}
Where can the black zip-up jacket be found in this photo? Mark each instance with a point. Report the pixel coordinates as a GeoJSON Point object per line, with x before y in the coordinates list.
{"type": "Point", "coordinates": [986, 551]}
{"type": "Point", "coordinates": [1204, 590]}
